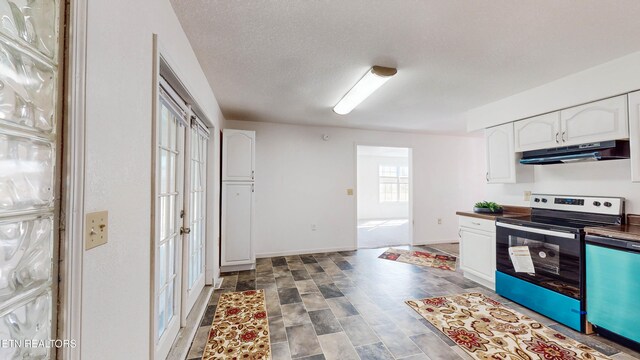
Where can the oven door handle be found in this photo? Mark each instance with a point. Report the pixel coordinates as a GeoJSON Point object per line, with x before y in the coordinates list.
{"type": "Point", "coordinates": [537, 231]}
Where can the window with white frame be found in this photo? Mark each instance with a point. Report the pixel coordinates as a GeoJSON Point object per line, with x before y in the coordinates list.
{"type": "Point", "coordinates": [394, 183]}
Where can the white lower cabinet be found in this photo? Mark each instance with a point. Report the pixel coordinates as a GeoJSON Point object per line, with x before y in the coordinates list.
{"type": "Point", "coordinates": [237, 220]}
{"type": "Point", "coordinates": [478, 250]}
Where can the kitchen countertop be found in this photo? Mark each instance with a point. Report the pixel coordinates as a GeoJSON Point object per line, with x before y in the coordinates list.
{"type": "Point", "coordinates": [509, 211]}
{"type": "Point", "coordinates": [629, 231]}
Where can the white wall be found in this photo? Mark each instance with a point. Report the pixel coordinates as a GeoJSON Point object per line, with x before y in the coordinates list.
{"type": "Point", "coordinates": [604, 178]}
{"type": "Point", "coordinates": [116, 276]}
{"type": "Point", "coordinates": [302, 180]}
{"type": "Point", "coordinates": [616, 77]}
{"type": "Point", "coordinates": [368, 184]}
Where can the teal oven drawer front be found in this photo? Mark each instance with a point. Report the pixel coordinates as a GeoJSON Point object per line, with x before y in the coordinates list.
{"type": "Point", "coordinates": [551, 304]}
{"type": "Point", "coordinates": [613, 290]}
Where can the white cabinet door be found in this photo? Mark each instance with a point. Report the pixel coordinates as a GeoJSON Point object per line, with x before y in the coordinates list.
{"type": "Point", "coordinates": [477, 251]}
{"type": "Point", "coordinates": [237, 223]}
{"type": "Point", "coordinates": [598, 121]}
{"type": "Point", "coordinates": [540, 132]}
{"type": "Point", "coordinates": [501, 156]}
{"type": "Point", "coordinates": [238, 155]}
{"type": "Point", "coordinates": [634, 134]}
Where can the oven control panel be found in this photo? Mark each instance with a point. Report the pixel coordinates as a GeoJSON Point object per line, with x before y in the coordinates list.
{"type": "Point", "coordinates": [589, 204]}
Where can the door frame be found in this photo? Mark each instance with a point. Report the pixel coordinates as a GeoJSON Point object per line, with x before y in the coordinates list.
{"type": "Point", "coordinates": [161, 65]}
{"type": "Point", "coordinates": [73, 175]}
{"type": "Point", "coordinates": [355, 188]}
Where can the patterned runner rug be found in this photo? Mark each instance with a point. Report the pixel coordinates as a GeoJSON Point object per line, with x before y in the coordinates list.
{"type": "Point", "coordinates": [240, 328]}
{"type": "Point", "coordinates": [486, 329]}
{"type": "Point", "coordinates": [421, 258]}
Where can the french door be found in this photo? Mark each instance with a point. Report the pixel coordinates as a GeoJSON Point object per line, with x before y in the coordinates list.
{"type": "Point", "coordinates": [195, 216]}
{"type": "Point", "coordinates": [170, 134]}
{"type": "Point", "coordinates": [29, 167]}
{"type": "Point", "coordinates": [180, 213]}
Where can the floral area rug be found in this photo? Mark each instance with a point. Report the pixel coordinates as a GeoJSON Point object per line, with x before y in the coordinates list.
{"type": "Point", "coordinates": [240, 328]}
{"type": "Point", "coordinates": [421, 258]}
{"type": "Point", "coordinates": [486, 329]}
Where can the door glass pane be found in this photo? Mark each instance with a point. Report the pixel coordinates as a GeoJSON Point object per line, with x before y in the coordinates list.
{"type": "Point", "coordinates": [170, 296]}
{"type": "Point", "coordinates": [162, 321]}
{"type": "Point", "coordinates": [162, 272]}
{"type": "Point", "coordinates": [169, 221]}
{"type": "Point", "coordinates": [197, 201]}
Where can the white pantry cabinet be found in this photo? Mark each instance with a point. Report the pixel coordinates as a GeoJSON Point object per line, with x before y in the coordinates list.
{"type": "Point", "coordinates": [478, 250]}
{"type": "Point", "coordinates": [634, 134]}
{"type": "Point", "coordinates": [237, 223]}
{"type": "Point", "coordinates": [538, 132]}
{"type": "Point", "coordinates": [238, 151]}
{"type": "Point", "coordinates": [501, 155]}
{"type": "Point", "coordinates": [597, 121]}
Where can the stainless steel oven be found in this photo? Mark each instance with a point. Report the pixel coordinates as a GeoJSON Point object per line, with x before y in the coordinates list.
{"type": "Point", "coordinates": [540, 258]}
{"type": "Point", "coordinates": [553, 257]}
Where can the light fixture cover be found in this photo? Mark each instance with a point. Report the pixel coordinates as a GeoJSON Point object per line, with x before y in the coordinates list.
{"type": "Point", "coordinates": [370, 82]}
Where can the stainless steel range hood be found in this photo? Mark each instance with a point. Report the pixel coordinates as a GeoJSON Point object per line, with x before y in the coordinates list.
{"type": "Point", "coordinates": [598, 151]}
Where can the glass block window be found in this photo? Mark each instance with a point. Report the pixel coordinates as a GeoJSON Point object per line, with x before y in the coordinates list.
{"type": "Point", "coordinates": [29, 108]}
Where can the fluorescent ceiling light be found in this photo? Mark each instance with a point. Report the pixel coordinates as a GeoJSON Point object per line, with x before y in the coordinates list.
{"type": "Point", "coordinates": [370, 82]}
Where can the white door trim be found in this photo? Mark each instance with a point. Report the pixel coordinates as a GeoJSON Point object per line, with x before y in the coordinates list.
{"type": "Point", "coordinates": [72, 219]}
{"type": "Point", "coordinates": [355, 194]}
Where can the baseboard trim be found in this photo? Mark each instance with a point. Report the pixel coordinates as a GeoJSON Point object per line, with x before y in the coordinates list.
{"type": "Point", "coordinates": [434, 242]}
{"type": "Point", "coordinates": [304, 251]}
{"type": "Point", "coordinates": [232, 268]}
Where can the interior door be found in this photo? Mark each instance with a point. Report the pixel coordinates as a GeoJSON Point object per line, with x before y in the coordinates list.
{"type": "Point", "coordinates": [170, 135]}
{"type": "Point", "coordinates": [195, 215]}
{"type": "Point", "coordinates": [29, 184]}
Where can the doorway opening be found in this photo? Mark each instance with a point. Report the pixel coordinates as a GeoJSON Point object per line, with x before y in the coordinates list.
{"type": "Point", "coordinates": [384, 196]}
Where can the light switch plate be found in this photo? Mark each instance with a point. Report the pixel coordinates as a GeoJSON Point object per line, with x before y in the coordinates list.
{"type": "Point", "coordinates": [349, 192]}
{"type": "Point", "coordinates": [96, 230]}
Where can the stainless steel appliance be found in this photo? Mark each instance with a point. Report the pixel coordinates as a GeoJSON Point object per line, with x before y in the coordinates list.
{"type": "Point", "coordinates": [613, 286]}
{"type": "Point", "coordinates": [597, 151]}
{"type": "Point", "coordinates": [540, 258]}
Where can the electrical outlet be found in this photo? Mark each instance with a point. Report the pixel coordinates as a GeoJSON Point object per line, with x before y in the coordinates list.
{"type": "Point", "coordinates": [439, 221]}
{"type": "Point", "coordinates": [527, 195]}
{"type": "Point", "coordinates": [96, 229]}
{"type": "Point", "coordinates": [314, 227]}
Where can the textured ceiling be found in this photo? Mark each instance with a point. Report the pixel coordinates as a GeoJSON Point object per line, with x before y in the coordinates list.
{"type": "Point", "coordinates": [291, 60]}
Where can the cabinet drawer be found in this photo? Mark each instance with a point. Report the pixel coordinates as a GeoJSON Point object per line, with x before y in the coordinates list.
{"type": "Point", "coordinates": [478, 224]}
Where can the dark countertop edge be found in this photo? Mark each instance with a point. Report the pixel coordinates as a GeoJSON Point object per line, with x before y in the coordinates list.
{"type": "Point", "coordinates": [509, 211]}
{"type": "Point", "coordinates": [623, 232]}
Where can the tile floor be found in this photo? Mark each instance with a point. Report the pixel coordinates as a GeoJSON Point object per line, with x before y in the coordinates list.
{"type": "Point", "coordinates": [350, 305]}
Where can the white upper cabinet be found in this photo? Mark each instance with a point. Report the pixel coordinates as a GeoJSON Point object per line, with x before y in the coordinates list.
{"type": "Point", "coordinates": [538, 132]}
{"type": "Point", "coordinates": [634, 134]}
{"type": "Point", "coordinates": [501, 155]}
{"type": "Point", "coordinates": [238, 155]}
{"type": "Point", "coordinates": [598, 121]}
